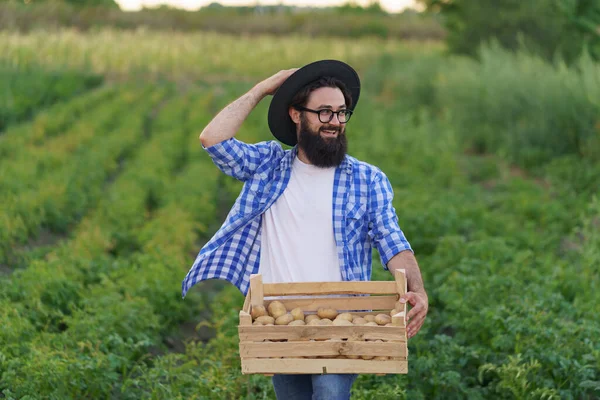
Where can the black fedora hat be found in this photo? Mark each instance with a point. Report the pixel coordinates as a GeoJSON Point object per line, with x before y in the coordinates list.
{"type": "Point", "coordinates": [280, 123]}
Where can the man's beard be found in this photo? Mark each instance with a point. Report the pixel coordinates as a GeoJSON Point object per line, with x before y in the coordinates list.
{"type": "Point", "coordinates": [324, 153]}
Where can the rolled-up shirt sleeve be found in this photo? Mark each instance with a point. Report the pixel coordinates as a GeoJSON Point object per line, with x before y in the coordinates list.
{"type": "Point", "coordinates": [385, 231]}
{"type": "Point", "coordinates": [241, 160]}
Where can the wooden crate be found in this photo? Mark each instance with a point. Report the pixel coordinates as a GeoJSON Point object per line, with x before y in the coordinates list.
{"type": "Point", "coordinates": [305, 350]}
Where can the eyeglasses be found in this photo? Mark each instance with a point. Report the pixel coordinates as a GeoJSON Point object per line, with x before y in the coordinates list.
{"type": "Point", "coordinates": [326, 115]}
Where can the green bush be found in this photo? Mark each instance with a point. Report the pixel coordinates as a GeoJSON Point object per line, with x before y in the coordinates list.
{"type": "Point", "coordinates": [519, 106]}
{"type": "Point", "coordinates": [516, 105]}
{"type": "Point", "coordinates": [548, 27]}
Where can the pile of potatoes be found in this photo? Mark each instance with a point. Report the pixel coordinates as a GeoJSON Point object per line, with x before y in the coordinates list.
{"type": "Point", "coordinates": [277, 314]}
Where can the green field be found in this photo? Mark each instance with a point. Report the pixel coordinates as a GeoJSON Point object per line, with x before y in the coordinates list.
{"type": "Point", "coordinates": [107, 196]}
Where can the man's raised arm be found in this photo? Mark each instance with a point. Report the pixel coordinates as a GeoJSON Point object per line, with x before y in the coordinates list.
{"type": "Point", "coordinates": [227, 123]}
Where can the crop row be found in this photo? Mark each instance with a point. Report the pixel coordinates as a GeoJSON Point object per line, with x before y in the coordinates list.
{"type": "Point", "coordinates": [93, 308]}
{"type": "Point", "coordinates": [33, 157]}
{"type": "Point", "coordinates": [23, 91]}
{"type": "Point", "coordinates": [58, 186]}
{"type": "Point", "coordinates": [52, 121]}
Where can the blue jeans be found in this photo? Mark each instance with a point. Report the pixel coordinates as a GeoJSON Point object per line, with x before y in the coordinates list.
{"type": "Point", "coordinates": [313, 387]}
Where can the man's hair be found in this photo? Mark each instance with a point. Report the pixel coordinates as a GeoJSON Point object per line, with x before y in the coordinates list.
{"type": "Point", "coordinates": [301, 97]}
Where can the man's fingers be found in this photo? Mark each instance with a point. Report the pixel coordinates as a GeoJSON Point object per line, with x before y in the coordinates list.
{"type": "Point", "coordinates": [414, 326]}
{"type": "Point", "coordinates": [416, 320]}
{"type": "Point", "coordinates": [415, 310]}
{"type": "Point", "coordinates": [416, 316]}
{"type": "Point", "coordinates": [411, 333]}
{"type": "Point", "coordinates": [411, 297]}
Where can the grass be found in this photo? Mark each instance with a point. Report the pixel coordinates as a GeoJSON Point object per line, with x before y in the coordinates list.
{"type": "Point", "coordinates": [186, 56]}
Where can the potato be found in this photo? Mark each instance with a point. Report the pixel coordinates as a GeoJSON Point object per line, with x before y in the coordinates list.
{"type": "Point", "coordinates": [296, 322]}
{"type": "Point", "coordinates": [258, 311]}
{"type": "Point", "coordinates": [381, 358]}
{"type": "Point", "coordinates": [371, 324]}
{"type": "Point", "coordinates": [352, 357]}
{"type": "Point", "coordinates": [382, 319]}
{"type": "Point", "coordinates": [310, 317]}
{"type": "Point", "coordinates": [265, 319]}
{"type": "Point", "coordinates": [314, 322]}
{"type": "Point", "coordinates": [297, 313]}
{"type": "Point", "coordinates": [328, 313]}
{"type": "Point", "coordinates": [325, 321]}
{"type": "Point", "coordinates": [342, 322]}
{"type": "Point", "coordinates": [256, 323]}
{"type": "Point", "coordinates": [276, 309]}
{"type": "Point", "coordinates": [284, 319]}
{"type": "Point", "coordinates": [367, 357]}
{"type": "Point", "coordinates": [369, 318]}
{"type": "Point", "coordinates": [359, 321]}
{"type": "Point", "coordinates": [346, 316]}
{"type": "Point", "coordinates": [394, 312]}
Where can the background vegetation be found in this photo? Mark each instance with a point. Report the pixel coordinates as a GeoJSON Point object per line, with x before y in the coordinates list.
{"type": "Point", "coordinates": [347, 22]}
{"type": "Point", "coordinates": [107, 197]}
{"type": "Point", "coordinates": [547, 27]}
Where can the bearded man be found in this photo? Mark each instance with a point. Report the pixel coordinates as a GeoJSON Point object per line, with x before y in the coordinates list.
{"type": "Point", "coordinates": [309, 213]}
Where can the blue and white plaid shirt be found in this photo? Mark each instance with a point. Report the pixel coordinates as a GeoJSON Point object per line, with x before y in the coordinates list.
{"type": "Point", "coordinates": [363, 214]}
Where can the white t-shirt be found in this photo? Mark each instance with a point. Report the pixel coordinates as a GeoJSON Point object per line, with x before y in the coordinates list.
{"type": "Point", "coordinates": [297, 241]}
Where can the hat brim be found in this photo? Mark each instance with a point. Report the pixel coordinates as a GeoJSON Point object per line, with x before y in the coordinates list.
{"type": "Point", "coordinates": [280, 123]}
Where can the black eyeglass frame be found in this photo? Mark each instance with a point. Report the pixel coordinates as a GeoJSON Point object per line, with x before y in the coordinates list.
{"type": "Point", "coordinates": [336, 113]}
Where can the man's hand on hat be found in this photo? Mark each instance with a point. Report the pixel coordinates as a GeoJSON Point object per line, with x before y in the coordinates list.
{"type": "Point", "coordinates": [271, 84]}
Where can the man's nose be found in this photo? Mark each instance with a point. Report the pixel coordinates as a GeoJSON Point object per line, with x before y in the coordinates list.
{"type": "Point", "coordinates": [335, 120]}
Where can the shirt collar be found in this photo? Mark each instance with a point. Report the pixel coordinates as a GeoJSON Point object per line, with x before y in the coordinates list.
{"type": "Point", "coordinates": [286, 160]}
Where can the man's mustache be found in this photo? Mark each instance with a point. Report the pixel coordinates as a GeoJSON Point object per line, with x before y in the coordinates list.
{"type": "Point", "coordinates": [337, 129]}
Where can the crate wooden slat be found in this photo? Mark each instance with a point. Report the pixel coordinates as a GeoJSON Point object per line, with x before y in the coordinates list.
{"type": "Point", "coordinates": [307, 332]}
{"type": "Point", "coordinates": [322, 366]}
{"type": "Point", "coordinates": [318, 349]}
{"type": "Point", "coordinates": [303, 288]}
{"type": "Point", "coordinates": [313, 349]}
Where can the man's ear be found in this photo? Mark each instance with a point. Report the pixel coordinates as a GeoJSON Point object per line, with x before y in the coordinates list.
{"type": "Point", "coordinates": [294, 115]}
